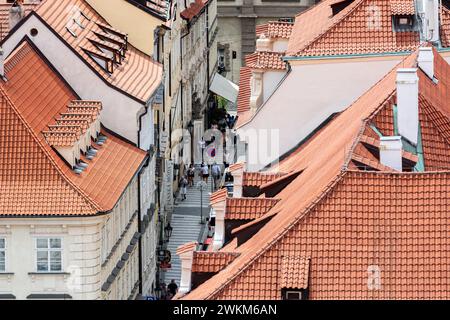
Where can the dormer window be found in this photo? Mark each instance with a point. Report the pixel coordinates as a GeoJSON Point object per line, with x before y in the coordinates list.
{"type": "Point", "coordinates": [103, 60]}
{"type": "Point", "coordinates": [339, 6]}
{"type": "Point", "coordinates": [294, 277]}
{"type": "Point", "coordinates": [404, 23]}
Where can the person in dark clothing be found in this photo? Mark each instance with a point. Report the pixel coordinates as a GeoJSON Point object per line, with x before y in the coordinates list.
{"type": "Point", "coordinates": [173, 288]}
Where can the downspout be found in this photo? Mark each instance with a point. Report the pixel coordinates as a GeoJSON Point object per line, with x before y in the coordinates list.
{"type": "Point", "coordinates": [140, 238]}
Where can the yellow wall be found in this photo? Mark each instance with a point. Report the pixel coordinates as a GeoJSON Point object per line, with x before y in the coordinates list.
{"type": "Point", "coordinates": [127, 18]}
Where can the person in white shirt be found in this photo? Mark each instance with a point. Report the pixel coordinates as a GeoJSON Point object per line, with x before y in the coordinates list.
{"type": "Point", "coordinates": [205, 172]}
{"type": "Point", "coordinates": [216, 172]}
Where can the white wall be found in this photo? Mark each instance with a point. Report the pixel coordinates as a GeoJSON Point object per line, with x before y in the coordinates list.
{"type": "Point", "coordinates": [81, 253]}
{"type": "Point", "coordinates": [270, 81]}
{"type": "Point", "coordinates": [306, 98]}
{"type": "Point", "coordinates": [280, 45]}
{"type": "Point", "coordinates": [119, 114]}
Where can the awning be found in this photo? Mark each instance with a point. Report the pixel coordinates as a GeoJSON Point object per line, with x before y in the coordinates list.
{"type": "Point", "coordinates": [224, 88]}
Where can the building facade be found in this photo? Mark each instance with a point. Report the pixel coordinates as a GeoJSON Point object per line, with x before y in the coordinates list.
{"type": "Point", "coordinates": [237, 21]}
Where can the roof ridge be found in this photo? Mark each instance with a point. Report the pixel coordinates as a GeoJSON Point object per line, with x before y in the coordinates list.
{"type": "Point", "coordinates": [90, 201]}
{"type": "Point", "coordinates": [350, 9]}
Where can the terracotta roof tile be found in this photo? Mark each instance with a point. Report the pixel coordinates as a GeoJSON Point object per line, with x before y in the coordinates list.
{"type": "Point", "coordinates": [212, 261]}
{"type": "Point", "coordinates": [219, 195]}
{"type": "Point", "coordinates": [275, 29]}
{"type": "Point", "coordinates": [265, 60]}
{"type": "Point", "coordinates": [187, 247]}
{"type": "Point", "coordinates": [317, 32]}
{"type": "Point", "coordinates": [248, 208]}
{"type": "Point", "coordinates": [294, 272]}
{"type": "Point", "coordinates": [138, 74]}
{"type": "Point", "coordinates": [236, 166]}
{"type": "Point", "coordinates": [243, 99]}
{"type": "Point", "coordinates": [445, 27]}
{"type": "Point", "coordinates": [4, 16]}
{"type": "Point", "coordinates": [402, 7]}
{"type": "Point", "coordinates": [194, 9]}
{"type": "Point", "coordinates": [34, 179]}
{"type": "Point", "coordinates": [257, 179]}
{"type": "Point", "coordinates": [347, 222]}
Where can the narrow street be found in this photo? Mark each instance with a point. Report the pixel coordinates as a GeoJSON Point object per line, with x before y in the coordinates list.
{"type": "Point", "coordinates": [186, 225]}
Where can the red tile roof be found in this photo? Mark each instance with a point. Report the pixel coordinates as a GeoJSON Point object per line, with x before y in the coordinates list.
{"type": "Point", "coordinates": [257, 179]}
{"type": "Point", "coordinates": [4, 16]}
{"type": "Point", "coordinates": [353, 30]}
{"type": "Point", "coordinates": [265, 60]}
{"type": "Point", "coordinates": [352, 223]}
{"type": "Point", "coordinates": [248, 208]}
{"type": "Point", "coordinates": [194, 9]}
{"type": "Point", "coordinates": [138, 74]}
{"type": "Point", "coordinates": [34, 179]}
{"type": "Point", "coordinates": [445, 27]}
{"type": "Point", "coordinates": [294, 272]}
{"type": "Point", "coordinates": [219, 195]}
{"type": "Point", "coordinates": [243, 99]}
{"type": "Point", "coordinates": [402, 7]}
{"type": "Point", "coordinates": [275, 29]}
{"type": "Point", "coordinates": [206, 261]}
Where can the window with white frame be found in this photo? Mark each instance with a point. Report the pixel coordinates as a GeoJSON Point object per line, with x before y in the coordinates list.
{"type": "Point", "coordinates": [2, 254]}
{"type": "Point", "coordinates": [48, 254]}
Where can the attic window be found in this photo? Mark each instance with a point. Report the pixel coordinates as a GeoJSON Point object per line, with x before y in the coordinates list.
{"type": "Point", "coordinates": [117, 52]}
{"type": "Point", "coordinates": [446, 3]}
{"type": "Point", "coordinates": [294, 295]}
{"type": "Point", "coordinates": [338, 7]}
{"type": "Point", "coordinates": [404, 23]}
{"type": "Point", "coordinates": [102, 59]}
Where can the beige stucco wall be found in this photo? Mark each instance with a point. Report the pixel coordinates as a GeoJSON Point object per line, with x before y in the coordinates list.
{"type": "Point", "coordinates": [138, 24]}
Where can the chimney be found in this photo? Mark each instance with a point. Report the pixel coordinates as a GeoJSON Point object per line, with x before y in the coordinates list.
{"type": "Point", "coordinates": [263, 43]}
{"type": "Point", "coordinates": [218, 204]}
{"type": "Point", "coordinates": [426, 61]}
{"type": "Point", "coordinates": [408, 104]}
{"type": "Point", "coordinates": [429, 13]}
{"type": "Point", "coordinates": [256, 90]}
{"type": "Point", "coordinates": [237, 171]}
{"type": "Point", "coordinates": [186, 253]}
{"type": "Point", "coordinates": [16, 13]}
{"type": "Point", "coordinates": [2, 63]}
{"type": "Point", "coordinates": [391, 152]}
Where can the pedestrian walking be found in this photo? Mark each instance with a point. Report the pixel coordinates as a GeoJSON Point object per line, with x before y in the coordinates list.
{"type": "Point", "coordinates": [204, 172]}
{"type": "Point", "coordinates": [173, 288]}
{"type": "Point", "coordinates": [216, 173]}
{"type": "Point", "coordinates": [183, 185]}
{"type": "Point", "coordinates": [191, 175]}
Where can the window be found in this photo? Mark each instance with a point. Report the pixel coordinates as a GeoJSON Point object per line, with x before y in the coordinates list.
{"type": "Point", "coordinates": [48, 255]}
{"type": "Point", "coordinates": [2, 254]}
{"type": "Point", "coordinates": [404, 23]}
{"type": "Point", "coordinates": [294, 294]}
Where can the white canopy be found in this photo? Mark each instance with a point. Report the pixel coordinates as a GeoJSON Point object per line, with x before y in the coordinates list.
{"type": "Point", "coordinates": [224, 88]}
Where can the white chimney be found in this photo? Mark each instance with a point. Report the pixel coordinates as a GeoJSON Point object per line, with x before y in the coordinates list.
{"type": "Point", "coordinates": [429, 13]}
{"type": "Point", "coordinates": [2, 63]}
{"type": "Point", "coordinates": [263, 43]}
{"type": "Point", "coordinates": [237, 171]}
{"type": "Point", "coordinates": [16, 14]}
{"type": "Point", "coordinates": [219, 207]}
{"type": "Point", "coordinates": [256, 90]}
{"type": "Point", "coordinates": [186, 253]}
{"type": "Point", "coordinates": [391, 152]}
{"type": "Point", "coordinates": [426, 61]}
{"type": "Point", "coordinates": [408, 104]}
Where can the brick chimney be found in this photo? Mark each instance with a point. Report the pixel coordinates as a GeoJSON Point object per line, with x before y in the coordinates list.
{"type": "Point", "coordinates": [391, 152]}
{"type": "Point", "coordinates": [408, 104]}
{"type": "Point", "coordinates": [16, 13]}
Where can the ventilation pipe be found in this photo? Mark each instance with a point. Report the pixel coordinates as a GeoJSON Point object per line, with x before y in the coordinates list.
{"type": "Point", "coordinates": [16, 13]}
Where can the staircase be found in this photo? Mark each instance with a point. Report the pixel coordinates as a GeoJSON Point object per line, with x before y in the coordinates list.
{"type": "Point", "coordinates": [186, 225]}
